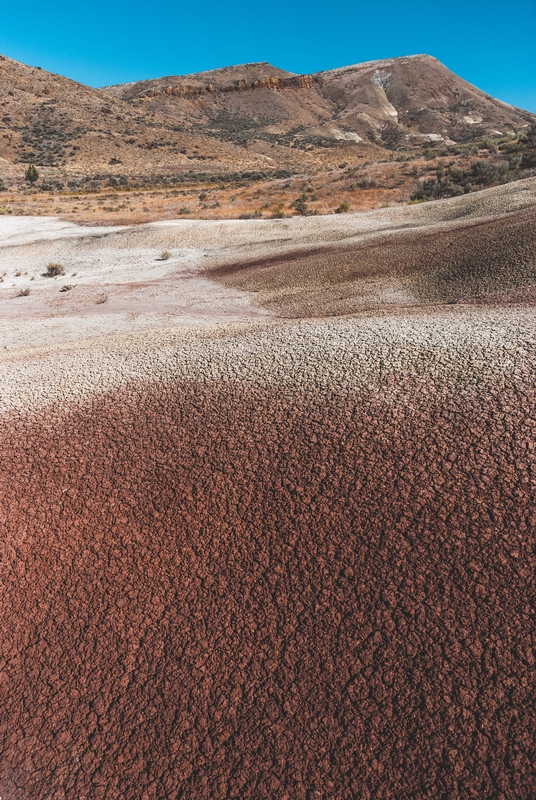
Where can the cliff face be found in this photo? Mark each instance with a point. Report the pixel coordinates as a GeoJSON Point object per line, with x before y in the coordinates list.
{"type": "Point", "coordinates": [269, 82]}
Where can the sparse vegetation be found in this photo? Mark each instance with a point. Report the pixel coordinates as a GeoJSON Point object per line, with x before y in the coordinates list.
{"type": "Point", "coordinates": [54, 269]}
{"type": "Point", "coordinates": [31, 174]}
{"type": "Point", "coordinates": [24, 292]}
{"type": "Point", "coordinates": [453, 181]}
{"type": "Point", "coordinates": [66, 288]}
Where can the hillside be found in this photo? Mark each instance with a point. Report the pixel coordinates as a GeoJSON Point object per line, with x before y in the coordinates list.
{"type": "Point", "coordinates": [254, 139]}
{"type": "Point", "coordinates": [55, 122]}
{"type": "Point", "coordinates": [396, 102]}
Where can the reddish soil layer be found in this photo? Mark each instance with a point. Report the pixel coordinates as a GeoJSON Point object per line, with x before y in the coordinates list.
{"type": "Point", "coordinates": [494, 257]}
{"type": "Point", "coordinates": [223, 592]}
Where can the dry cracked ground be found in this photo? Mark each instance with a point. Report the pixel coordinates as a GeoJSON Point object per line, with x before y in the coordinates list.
{"type": "Point", "coordinates": [267, 506]}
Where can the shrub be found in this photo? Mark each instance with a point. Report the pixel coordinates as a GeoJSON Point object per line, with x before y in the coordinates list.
{"type": "Point", "coordinates": [529, 138]}
{"type": "Point", "coordinates": [54, 269]}
{"type": "Point", "coordinates": [185, 210]}
{"type": "Point", "coordinates": [528, 159]}
{"type": "Point", "coordinates": [486, 172]}
{"type": "Point", "coordinates": [24, 292]}
{"type": "Point", "coordinates": [343, 208]}
{"type": "Point", "coordinates": [66, 288]}
{"type": "Point", "coordinates": [31, 174]}
{"type": "Point", "coordinates": [365, 183]}
{"type": "Point", "coordinates": [165, 255]}
{"type": "Point", "coordinates": [301, 206]}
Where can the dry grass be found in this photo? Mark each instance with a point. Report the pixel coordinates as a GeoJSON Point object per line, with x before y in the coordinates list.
{"type": "Point", "coordinates": [360, 186]}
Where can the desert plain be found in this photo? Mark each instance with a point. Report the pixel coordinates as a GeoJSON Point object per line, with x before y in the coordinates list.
{"type": "Point", "coordinates": [268, 505]}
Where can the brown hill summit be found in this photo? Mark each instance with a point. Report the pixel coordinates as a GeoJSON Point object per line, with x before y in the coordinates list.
{"type": "Point", "coordinates": [395, 102]}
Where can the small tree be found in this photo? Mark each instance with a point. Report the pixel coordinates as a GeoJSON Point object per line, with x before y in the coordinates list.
{"type": "Point", "coordinates": [31, 174]}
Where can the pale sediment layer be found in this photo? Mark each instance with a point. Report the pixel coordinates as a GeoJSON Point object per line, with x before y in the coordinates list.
{"type": "Point", "coordinates": [453, 346]}
{"type": "Point", "coordinates": [116, 281]}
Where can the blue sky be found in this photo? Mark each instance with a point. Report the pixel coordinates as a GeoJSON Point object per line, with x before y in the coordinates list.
{"type": "Point", "coordinates": [490, 44]}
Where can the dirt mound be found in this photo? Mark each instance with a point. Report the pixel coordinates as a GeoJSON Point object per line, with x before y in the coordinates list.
{"type": "Point", "coordinates": [487, 259]}
{"type": "Point", "coordinates": [219, 591]}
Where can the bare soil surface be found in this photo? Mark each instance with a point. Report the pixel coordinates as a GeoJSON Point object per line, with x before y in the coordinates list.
{"type": "Point", "coordinates": [249, 557]}
{"type": "Point", "coordinates": [489, 259]}
{"type": "Point", "coordinates": [221, 589]}
{"type": "Point", "coordinates": [478, 247]}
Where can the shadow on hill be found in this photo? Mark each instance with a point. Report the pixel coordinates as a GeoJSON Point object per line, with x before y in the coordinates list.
{"type": "Point", "coordinates": [493, 259]}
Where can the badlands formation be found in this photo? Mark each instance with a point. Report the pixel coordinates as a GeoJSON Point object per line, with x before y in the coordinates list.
{"type": "Point", "coordinates": [268, 506]}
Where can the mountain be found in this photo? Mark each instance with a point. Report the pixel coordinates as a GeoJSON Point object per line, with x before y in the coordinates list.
{"type": "Point", "coordinates": [395, 103]}
{"type": "Point", "coordinates": [246, 122]}
{"type": "Point", "coordinates": [52, 121]}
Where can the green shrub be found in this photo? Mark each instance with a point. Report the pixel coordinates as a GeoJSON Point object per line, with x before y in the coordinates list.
{"type": "Point", "coordinates": [343, 208]}
{"type": "Point", "coordinates": [301, 207]}
{"type": "Point", "coordinates": [31, 174]}
{"type": "Point", "coordinates": [488, 172]}
{"type": "Point", "coordinates": [432, 189]}
{"type": "Point", "coordinates": [185, 210]}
